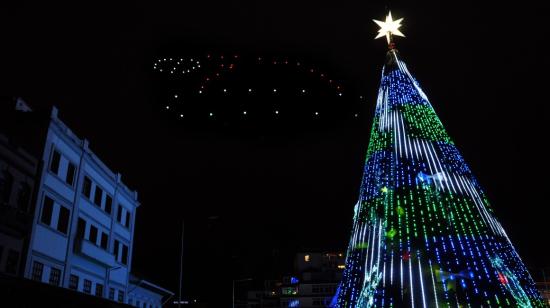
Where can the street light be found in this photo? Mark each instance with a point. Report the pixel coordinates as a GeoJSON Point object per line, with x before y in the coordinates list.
{"type": "Point", "coordinates": [238, 280]}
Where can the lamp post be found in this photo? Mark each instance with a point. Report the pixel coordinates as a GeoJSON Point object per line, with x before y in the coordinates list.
{"type": "Point", "coordinates": [238, 280]}
{"type": "Point", "coordinates": [181, 263]}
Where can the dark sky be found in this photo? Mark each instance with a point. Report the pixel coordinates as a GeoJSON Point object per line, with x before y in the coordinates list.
{"type": "Point", "coordinates": [484, 69]}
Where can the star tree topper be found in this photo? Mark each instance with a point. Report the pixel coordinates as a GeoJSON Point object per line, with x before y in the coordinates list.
{"type": "Point", "coordinates": [389, 28]}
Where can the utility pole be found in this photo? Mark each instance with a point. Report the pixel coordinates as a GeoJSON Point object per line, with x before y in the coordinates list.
{"type": "Point", "coordinates": [181, 263]}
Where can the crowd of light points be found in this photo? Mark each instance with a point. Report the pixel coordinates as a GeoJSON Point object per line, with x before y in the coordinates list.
{"type": "Point", "coordinates": [211, 70]}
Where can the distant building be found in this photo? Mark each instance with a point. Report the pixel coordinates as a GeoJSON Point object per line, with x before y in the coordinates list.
{"type": "Point", "coordinates": [142, 293]}
{"type": "Point", "coordinates": [18, 170]}
{"type": "Point", "coordinates": [542, 278]}
{"type": "Point", "coordinates": [66, 219]}
{"type": "Point", "coordinates": [544, 289]}
{"type": "Point", "coordinates": [315, 282]}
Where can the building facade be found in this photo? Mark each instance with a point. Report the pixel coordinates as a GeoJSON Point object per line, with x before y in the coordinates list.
{"type": "Point", "coordinates": [315, 281]}
{"type": "Point", "coordinates": [18, 170]}
{"type": "Point", "coordinates": [144, 294]}
{"type": "Point", "coordinates": [83, 222]}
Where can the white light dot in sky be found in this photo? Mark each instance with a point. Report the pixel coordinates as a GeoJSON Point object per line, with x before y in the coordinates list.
{"type": "Point", "coordinates": [211, 114]}
{"type": "Point", "coordinates": [276, 111]}
{"type": "Point", "coordinates": [167, 107]}
{"type": "Point", "coordinates": [244, 112]}
{"type": "Point", "coordinates": [175, 96]}
{"type": "Point", "coordinates": [181, 115]}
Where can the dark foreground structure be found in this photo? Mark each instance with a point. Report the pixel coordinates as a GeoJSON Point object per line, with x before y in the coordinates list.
{"type": "Point", "coordinates": [23, 293]}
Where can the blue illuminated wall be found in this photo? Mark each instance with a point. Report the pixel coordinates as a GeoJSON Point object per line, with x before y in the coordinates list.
{"type": "Point", "coordinates": [424, 234]}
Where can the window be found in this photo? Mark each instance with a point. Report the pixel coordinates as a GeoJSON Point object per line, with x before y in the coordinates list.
{"type": "Point", "coordinates": [71, 171]}
{"type": "Point", "coordinates": [87, 187]}
{"type": "Point", "coordinates": [11, 261]}
{"type": "Point", "coordinates": [99, 289]}
{"type": "Point", "coordinates": [111, 293]}
{"type": "Point", "coordinates": [80, 228]}
{"type": "Point", "coordinates": [121, 296]}
{"type": "Point", "coordinates": [63, 222]}
{"type": "Point", "coordinates": [55, 276]}
{"type": "Point", "coordinates": [138, 303]}
{"type": "Point", "coordinates": [93, 234]}
{"type": "Point", "coordinates": [119, 214]}
{"type": "Point", "coordinates": [37, 269]}
{"type": "Point", "coordinates": [87, 286]}
{"type": "Point", "coordinates": [306, 258]}
{"type": "Point", "coordinates": [23, 197]}
{"type": "Point", "coordinates": [104, 240]}
{"type": "Point", "coordinates": [127, 222]}
{"type": "Point", "coordinates": [47, 210]}
{"type": "Point", "coordinates": [108, 204]}
{"type": "Point", "coordinates": [98, 196]}
{"type": "Point", "coordinates": [124, 254]}
{"type": "Point", "coordinates": [73, 282]}
{"type": "Point", "coordinates": [54, 162]}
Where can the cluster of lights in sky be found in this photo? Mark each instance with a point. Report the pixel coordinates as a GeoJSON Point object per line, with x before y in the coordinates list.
{"type": "Point", "coordinates": [424, 234]}
{"type": "Point", "coordinates": [205, 76]}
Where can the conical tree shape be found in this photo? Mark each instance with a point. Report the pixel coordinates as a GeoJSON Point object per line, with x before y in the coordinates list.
{"type": "Point", "coordinates": [424, 234]}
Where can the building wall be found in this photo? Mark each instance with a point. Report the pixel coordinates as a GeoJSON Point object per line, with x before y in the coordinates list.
{"type": "Point", "coordinates": [80, 226]}
{"type": "Point", "coordinates": [18, 172]}
{"type": "Point", "coordinates": [141, 297]}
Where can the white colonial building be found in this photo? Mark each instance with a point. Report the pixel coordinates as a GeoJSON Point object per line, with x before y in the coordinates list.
{"type": "Point", "coordinates": [83, 227]}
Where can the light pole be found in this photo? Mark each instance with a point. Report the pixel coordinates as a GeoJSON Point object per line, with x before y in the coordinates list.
{"type": "Point", "coordinates": [181, 262]}
{"type": "Point", "coordinates": [238, 280]}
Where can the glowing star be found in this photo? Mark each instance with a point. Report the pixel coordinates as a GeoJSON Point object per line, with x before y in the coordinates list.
{"type": "Point", "coordinates": [389, 27]}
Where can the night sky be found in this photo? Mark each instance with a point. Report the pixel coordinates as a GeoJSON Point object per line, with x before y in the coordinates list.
{"type": "Point", "coordinates": [253, 194]}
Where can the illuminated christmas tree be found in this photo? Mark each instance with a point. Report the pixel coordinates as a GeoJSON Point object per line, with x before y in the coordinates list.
{"type": "Point", "coordinates": [424, 234]}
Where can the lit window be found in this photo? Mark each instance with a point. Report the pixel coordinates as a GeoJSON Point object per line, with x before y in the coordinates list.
{"type": "Point", "coordinates": [341, 266]}
{"type": "Point", "coordinates": [73, 282]}
{"type": "Point", "coordinates": [87, 286]}
{"type": "Point", "coordinates": [37, 270]}
{"type": "Point", "coordinates": [55, 275]}
{"type": "Point", "coordinates": [306, 258]}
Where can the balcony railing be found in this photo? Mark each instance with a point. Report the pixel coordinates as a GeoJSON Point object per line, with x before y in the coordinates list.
{"type": "Point", "coordinates": [93, 252]}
